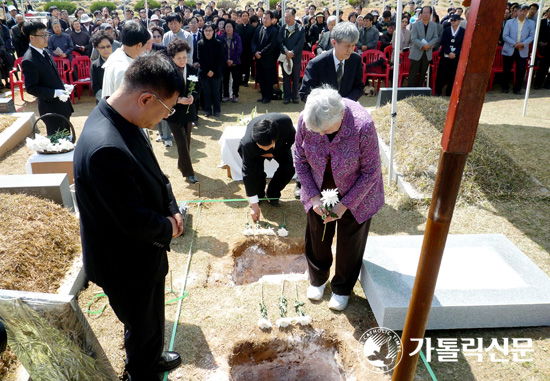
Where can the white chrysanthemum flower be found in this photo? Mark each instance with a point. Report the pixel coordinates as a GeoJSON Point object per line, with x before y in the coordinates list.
{"type": "Point", "coordinates": [43, 144]}
{"type": "Point", "coordinates": [248, 231]}
{"type": "Point", "coordinates": [264, 324]}
{"type": "Point", "coordinates": [303, 320]}
{"type": "Point", "coordinates": [282, 232]}
{"type": "Point", "coordinates": [283, 322]}
{"type": "Point", "coordinates": [330, 197]}
{"type": "Point", "coordinates": [193, 78]}
{"type": "Point", "coordinates": [269, 231]}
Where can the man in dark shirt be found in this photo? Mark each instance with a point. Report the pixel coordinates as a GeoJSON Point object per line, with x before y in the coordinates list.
{"type": "Point", "coordinates": [269, 136]}
{"type": "Point", "coordinates": [246, 32]}
{"type": "Point", "coordinates": [20, 41]}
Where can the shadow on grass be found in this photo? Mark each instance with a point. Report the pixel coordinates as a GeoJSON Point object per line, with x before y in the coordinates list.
{"type": "Point", "coordinates": [191, 344]}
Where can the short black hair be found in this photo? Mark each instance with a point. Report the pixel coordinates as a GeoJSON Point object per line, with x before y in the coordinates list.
{"type": "Point", "coordinates": [427, 6]}
{"type": "Point", "coordinates": [173, 16]}
{"type": "Point", "coordinates": [99, 36]}
{"type": "Point", "coordinates": [369, 17]}
{"type": "Point", "coordinates": [269, 13]}
{"type": "Point", "coordinates": [534, 5]}
{"type": "Point", "coordinates": [154, 72]}
{"type": "Point", "coordinates": [177, 45]}
{"type": "Point", "coordinates": [230, 22]}
{"type": "Point", "coordinates": [265, 132]}
{"type": "Point", "coordinates": [133, 33]}
{"type": "Point", "coordinates": [31, 27]}
{"type": "Point", "coordinates": [253, 19]}
{"type": "Point", "coordinates": [292, 10]}
{"type": "Point", "coordinates": [391, 23]}
{"type": "Point", "coordinates": [157, 29]}
{"type": "Point", "coordinates": [386, 14]}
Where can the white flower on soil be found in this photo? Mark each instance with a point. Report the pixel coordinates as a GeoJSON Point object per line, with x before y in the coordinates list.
{"type": "Point", "coordinates": [303, 320]}
{"type": "Point", "coordinates": [264, 324]}
{"type": "Point", "coordinates": [283, 322]}
{"type": "Point", "coordinates": [330, 197]}
{"type": "Point", "coordinates": [248, 231]}
{"type": "Point", "coordinates": [282, 232]}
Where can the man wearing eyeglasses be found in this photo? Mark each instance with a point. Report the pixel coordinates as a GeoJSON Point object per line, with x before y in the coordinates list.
{"type": "Point", "coordinates": [128, 213]}
{"type": "Point", "coordinates": [42, 78]}
{"type": "Point", "coordinates": [136, 40]}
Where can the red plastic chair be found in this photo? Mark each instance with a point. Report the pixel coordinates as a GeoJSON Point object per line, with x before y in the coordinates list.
{"type": "Point", "coordinates": [314, 49]}
{"type": "Point", "coordinates": [378, 45]}
{"type": "Point", "coordinates": [404, 66]}
{"type": "Point", "coordinates": [433, 67]}
{"type": "Point", "coordinates": [388, 52]}
{"type": "Point", "coordinates": [306, 57]}
{"type": "Point", "coordinates": [76, 54]}
{"type": "Point", "coordinates": [81, 65]}
{"type": "Point", "coordinates": [63, 67]}
{"type": "Point", "coordinates": [371, 56]}
{"type": "Point", "coordinates": [13, 81]}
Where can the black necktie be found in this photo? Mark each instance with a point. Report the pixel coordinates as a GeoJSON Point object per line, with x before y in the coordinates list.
{"type": "Point", "coordinates": [47, 56]}
{"type": "Point", "coordinates": [340, 73]}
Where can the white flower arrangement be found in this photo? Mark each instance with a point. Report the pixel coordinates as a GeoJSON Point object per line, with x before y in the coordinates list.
{"type": "Point", "coordinates": [329, 199]}
{"type": "Point", "coordinates": [303, 320]}
{"type": "Point", "coordinates": [42, 144]}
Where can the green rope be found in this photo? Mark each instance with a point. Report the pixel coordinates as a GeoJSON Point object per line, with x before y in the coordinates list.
{"type": "Point", "coordinates": [230, 200]}
{"type": "Point", "coordinates": [96, 312]}
{"type": "Point", "coordinates": [178, 312]}
{"type": "Point", "coordinates": [428, 367]}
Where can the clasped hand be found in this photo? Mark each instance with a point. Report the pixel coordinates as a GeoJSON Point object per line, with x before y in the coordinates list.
{"type": "Point", "coordinates": [338, 209]}
{"type": "Point", "coordinates": [185, 100]}
{"type": "Point", "coordinates": [177, 224]}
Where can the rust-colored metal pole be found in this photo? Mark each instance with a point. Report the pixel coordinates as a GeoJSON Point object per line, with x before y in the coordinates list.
{"type": "Point", "coordinates": [472, 77]}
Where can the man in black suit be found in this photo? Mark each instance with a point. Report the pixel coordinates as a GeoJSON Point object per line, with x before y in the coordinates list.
{"type": "Point", "coordinates": [291, 42]}
{"type": "Point", "coordinates": [246, 33]}
{"type": "Point", "coordinates": [265, 48]}
{"type": "Point", "coordinates": [42, 78]}
{"type": "Point", "coordinates": [268, 136]}
{"type": "Point", "coordinates": [19, 40]}
{"type": "Point", "coordinates": [339, 67]}
{"type": "Point", "coordinates": [128, 213]}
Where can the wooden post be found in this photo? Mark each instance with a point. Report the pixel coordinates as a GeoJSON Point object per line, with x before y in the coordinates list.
{"type": "Point", "coordinates": [472, 77]}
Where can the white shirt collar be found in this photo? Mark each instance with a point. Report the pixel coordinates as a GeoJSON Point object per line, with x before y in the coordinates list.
{"type": "Point", "coordinates": [337, 61]}
{"type": "Point", "coordinates": [41, 51]}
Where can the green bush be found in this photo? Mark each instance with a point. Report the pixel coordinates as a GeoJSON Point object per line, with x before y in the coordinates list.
{"type": "Point", "coordinates": [99, 5]}
{"type": "Point", "coordinates": [67, 5]}
{"type": "Point", "coordinates": [226, 4]}
{"type": "Point", "coordinates": [141, 4]}
{"type": "Point", "coordinates": [191, 4]}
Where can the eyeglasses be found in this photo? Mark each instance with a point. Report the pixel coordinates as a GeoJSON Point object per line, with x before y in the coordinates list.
{"type": "Point", "coordinates": [104, 47]}
{"type": "Point", "coordinates": [40, 35]}
{"type": "Point", "coordinates": [171, 111]}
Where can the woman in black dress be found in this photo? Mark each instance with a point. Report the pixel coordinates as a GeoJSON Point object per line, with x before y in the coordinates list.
{"type": "Point", "coordinates": [210, 63]}
{"type": "Point", "coordinates": [181, 122]}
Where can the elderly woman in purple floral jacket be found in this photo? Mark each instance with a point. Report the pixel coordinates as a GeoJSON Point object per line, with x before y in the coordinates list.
{"type": "Point", "coordinates": [337, 147]}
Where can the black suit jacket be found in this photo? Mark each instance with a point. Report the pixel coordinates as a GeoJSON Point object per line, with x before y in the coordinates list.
{"type": "Point", "coordinates": [246, 32]}
{"type": "Point", "coordinates": [321, 70]}
{"type": "Point", "coordinates": [19, 40]}
{"type": "Point", "coordinates": [41, 80]}
{"type": "Point", "coordinates": [265, 42]}
{"type": "Point", "coordinates": [251, 154]}
{"type": "Point", "coordinates": [124, 201]}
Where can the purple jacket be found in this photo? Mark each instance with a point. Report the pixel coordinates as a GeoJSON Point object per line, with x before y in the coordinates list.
{"type": "Point", "coordinates": [234, 51]}
{"type": "Point", "coordinates": [355, 162]}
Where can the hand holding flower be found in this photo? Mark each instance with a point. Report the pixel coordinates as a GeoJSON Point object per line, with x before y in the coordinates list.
{"type": "Point", "coordinates": [339, 210]}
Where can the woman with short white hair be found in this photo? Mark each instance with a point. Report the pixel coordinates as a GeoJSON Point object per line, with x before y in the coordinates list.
{"type": "Point", "coordinates": [337, 148]}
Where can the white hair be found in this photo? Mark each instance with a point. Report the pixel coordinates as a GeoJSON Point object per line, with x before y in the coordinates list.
{"type": "Point", "coordinates": [331, 19]}
{"type": "Point", "coordinates": [323, 109]}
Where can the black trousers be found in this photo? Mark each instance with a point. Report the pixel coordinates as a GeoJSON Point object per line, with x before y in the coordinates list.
{"type": "Point", "coordinates": [507, 64]}
{"type": "Point", "coordinates": [542, 78]}
{"type": "Point", "coordinates": [446, 72]}
{"type": "Point", "coordinates": [292, 92]}
{"type": "Point", "coordinates": [246, 64]}
{"type": "Point", "coordinates": [281, 177]}
{"type": "Point", "coordinates": [265, 75]}
{"type": "Point", "coordinates": [235, 71]}
{"type": "Point", "coordinates": [417, 71]}
{"type": "Point", "coordinates": [350, 248]}
{"type": "Point", "coordinates": [141, 310]}
{"type": "Point", "coordinates": [182, 137]}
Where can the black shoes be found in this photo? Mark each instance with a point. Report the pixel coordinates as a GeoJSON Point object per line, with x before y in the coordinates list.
{"type": "Point", "coordinates": [192, 179]}
{"type": "Point", "coordinates": [295, 101]}
{"type": "Point", "coordinates": [275, 202]}
{"type": "Point", "coordinates": [265, 100]}
{"type": "Point", "coordinates": [168, 361]}
{"type": "Point", "coordinates": [286, 101]}
{"type": "Point", "coordinates": [260, 100]}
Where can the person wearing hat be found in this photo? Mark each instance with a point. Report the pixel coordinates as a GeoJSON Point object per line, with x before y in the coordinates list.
{"type": "Point", "coordinates": [450, 11]}
{"type": "Point", "coordinates": [518, 34]}
{"type": "Point", "coordinates": [12, 11]}
{"type": "Point", "coordinates": [316, 29]}
{"type": "Point", "coordinates": [451, 45]}
{"type": "Point", "coordinates": [85, 21]}
{"type": "Point", "coordinates": [292, 37]}
{"type": "Point", "coordinates": [154, 21]}
{"type": "Point", "coordinates": [108, 28]}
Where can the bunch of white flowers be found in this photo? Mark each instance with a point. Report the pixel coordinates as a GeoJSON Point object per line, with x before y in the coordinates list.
{"type": "Point", "coordinates": [329, 200]}
{"type": "Point", "coordinates": [42, 144]}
